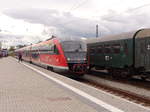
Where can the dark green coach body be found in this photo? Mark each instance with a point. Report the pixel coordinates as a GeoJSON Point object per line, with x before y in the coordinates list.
{"type": "Point", "coordinates": [126, 50]}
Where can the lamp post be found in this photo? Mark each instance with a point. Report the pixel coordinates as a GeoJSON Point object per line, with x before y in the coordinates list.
{"type": "Point", "coordinates": [97, 31]}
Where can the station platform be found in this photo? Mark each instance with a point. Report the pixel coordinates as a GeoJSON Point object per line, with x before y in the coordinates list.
{"type": "Point", "coordinates": [25, 87]}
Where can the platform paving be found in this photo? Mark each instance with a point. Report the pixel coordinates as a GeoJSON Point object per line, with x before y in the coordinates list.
{"type": "Point", "coordinates": [25, 90]}
{"type": "Point", "coordinates": [22, 90]}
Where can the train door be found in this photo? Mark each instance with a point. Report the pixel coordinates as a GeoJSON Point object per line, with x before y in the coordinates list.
{"type": "Point", "coordinates": [108, 57]}
{"type": "Point", "coordinates": [92, 56]}
{"type": "Point", "coordinates": [100, 58]}
{"type": "Point", "coordinates": [142, 52]}
{"type": "Point", "coordinates": [147, 53]}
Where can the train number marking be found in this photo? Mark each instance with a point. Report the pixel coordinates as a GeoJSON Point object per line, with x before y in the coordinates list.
{"type": "Point", "coordinates": [148, 47]}
{"type": "Point", "coordinates": [107, 58]}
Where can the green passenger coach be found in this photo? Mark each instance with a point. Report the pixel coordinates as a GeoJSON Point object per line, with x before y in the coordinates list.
{"type": "Point", "coordinates": [125, 54]}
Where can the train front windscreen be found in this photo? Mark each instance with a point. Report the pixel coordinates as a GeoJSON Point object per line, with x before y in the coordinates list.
{"type": "Point", "coordinates": [75, 51]}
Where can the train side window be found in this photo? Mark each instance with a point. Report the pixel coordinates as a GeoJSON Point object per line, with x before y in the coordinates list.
{"type": "Point", "coordinates": [35, 54]}
{"type": "Point", "coordinates": [126, 48]}
{"type": "Point", "coordinates": [56, 50]}
{"type": "Point", "coordinates": [51, 50]}
{"type": "Point", "coordinates": [100, 49]}
{"type": "Point", "coordinates": [92, 50]}
{"type": "Point", "coordinates": [107, 48]}
{"type": "Point", "coordinates": [116, 48]}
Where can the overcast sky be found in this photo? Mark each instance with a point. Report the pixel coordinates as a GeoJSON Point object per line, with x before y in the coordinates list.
{"type": "Point", "coordinates": [28, 21]}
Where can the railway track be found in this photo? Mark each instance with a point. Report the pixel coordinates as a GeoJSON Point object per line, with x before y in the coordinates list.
{"type": "Point", "coordinates": [126, 94]}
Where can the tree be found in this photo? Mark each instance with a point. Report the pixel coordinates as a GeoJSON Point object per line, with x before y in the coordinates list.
{"type": "Point", "coordinates": [20, 46]}
{"type": "Point", "coordinates": [12, 48]}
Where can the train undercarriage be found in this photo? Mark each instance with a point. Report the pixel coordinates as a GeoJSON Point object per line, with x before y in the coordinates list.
{"type": "Point", "coordinates": [128, 72]}
{"type": "Point", "coordinates": [78, 68]}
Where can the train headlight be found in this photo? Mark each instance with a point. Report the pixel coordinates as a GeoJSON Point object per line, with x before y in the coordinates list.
{"type": "Point", "coordinates": [84, 58]}
{"type": "Point", "coordinates": [68, 59]}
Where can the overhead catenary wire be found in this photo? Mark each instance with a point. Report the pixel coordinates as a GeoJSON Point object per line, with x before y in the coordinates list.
{"type": "Point", "coordinates": [79, 4]}
{"type": "Point", "coordinates": [131, 10]}
{"type": "Point", "coordinates": [74, 7]}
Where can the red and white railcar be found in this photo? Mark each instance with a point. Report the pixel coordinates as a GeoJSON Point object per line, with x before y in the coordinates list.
{"type": "Point", "coordinates": [57, 54]}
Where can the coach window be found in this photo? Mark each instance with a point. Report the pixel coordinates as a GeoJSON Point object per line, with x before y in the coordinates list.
{"type": "Point", "coordinates": [100, 49]}
{"type": "Point", "coordinates": [107, 49]}
{"type": "Point", "coordinates": [92, 50]}
{"type": "Point", "coordinates": [27, 53]}
{"type": "Point", "coordinates": [126, 48]}
{"type": "Point", "coordinates": [116, 48]}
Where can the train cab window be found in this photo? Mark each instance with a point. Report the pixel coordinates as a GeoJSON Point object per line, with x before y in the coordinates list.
{"type": "Point", "coordinates": [53, 49]}
{"type": "Point", "coordinates": [107, 48]}
{"type": "Point", "coordinates": [116, 48]}
{"type": "Point", "coordinates": [73, 46]}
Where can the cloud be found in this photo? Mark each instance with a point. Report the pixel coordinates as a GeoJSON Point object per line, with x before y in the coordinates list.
{"type": "Point", "coordinates": [132, 19]}
{"type": "Point", "coordinates": [8, 39]}
{"type": "Point", "coordinates": [65, 24]}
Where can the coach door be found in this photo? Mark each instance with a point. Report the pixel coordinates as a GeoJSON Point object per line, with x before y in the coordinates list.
{"type": "Point", "coordinates": [147, 52]}
{"type": "Point", "coordinates": [142, 52]}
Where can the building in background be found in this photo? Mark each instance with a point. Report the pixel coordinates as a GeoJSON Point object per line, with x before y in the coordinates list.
{"type": "Point", "coordinates": [4, 52]}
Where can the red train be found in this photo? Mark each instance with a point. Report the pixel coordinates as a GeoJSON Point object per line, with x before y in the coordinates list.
{"type": "Point", "coordinates": [57, 54]}
{"type": "Point", "coordinates": [3, 53]}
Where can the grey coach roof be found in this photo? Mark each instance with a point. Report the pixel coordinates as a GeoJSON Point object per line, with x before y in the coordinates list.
{"type": "Point", "coordinates": [143, 33]}
{"type": "Point", "coordinates": [140, 33]}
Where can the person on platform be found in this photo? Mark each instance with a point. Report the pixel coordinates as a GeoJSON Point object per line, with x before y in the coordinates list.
{"type": "Point", "coordinates": [20, 57]}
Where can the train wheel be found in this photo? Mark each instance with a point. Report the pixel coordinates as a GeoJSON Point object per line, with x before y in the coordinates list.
{"type": "Point", "coordinates": [116, 74]}
{"type": "Point", "coordinates": [143, 78]}
{"type": "Point", "coordinates": [89, 69]}
{"type": "Point", "coordinates": [112, 73]}
{"type": "Point", "coordinates": [50, 68]}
